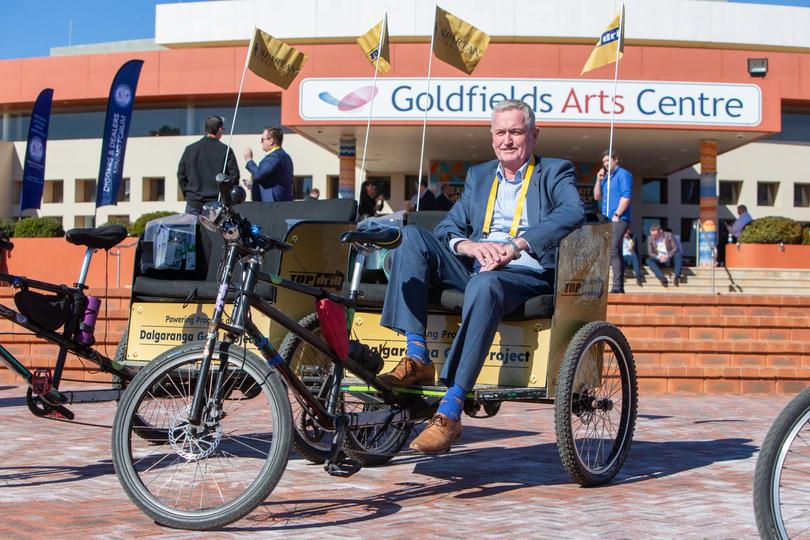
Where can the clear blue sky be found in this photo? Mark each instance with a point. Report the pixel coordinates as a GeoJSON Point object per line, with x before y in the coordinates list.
{"type": "Point", "coordinates": [31, 27]}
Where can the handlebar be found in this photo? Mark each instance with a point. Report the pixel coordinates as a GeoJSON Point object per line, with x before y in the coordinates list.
{"type": "Point", "coordinates": [221, 216]}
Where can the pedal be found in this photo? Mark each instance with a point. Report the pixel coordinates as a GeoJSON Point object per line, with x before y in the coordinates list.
{"type": "Point", "coordinates": [58, 411]}
{"type": "Point", "coordinates": [41, 381]}
{"type": "Point", "coordinates": [343, 468]}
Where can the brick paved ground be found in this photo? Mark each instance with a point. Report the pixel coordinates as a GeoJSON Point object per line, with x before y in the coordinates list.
{"type": "Point", "coordinates": [689, 475]}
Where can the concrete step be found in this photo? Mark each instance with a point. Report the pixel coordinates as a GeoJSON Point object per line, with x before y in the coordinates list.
{"type": "Point", "coordinates": [725, 281]}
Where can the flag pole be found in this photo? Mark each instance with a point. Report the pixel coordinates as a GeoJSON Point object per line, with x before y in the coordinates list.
{"type": "Point", "coordinates": [613, 110]}
{"type": "Point", "coordinates": [371, 105]}
{"type": "Point", "coordinates": [424, 121]}
{"type": "Point", "coordinates": [238, 96]}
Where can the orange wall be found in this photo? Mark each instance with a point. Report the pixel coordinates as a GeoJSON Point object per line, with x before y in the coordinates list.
{"type": "Point", "coordinates": [55, 261]}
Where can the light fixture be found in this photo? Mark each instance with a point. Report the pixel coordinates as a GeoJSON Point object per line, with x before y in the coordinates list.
{"type": "Point", "coordinates": [757, 67]}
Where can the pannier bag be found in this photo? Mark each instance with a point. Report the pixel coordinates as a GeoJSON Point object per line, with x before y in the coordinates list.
{"type": "Point", "coordinates": [50, 311]}
{"type": "Point", "coordinates": [170, 243]}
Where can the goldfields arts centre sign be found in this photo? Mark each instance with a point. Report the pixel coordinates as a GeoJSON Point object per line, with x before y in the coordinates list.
{"type": "Point", "coordinates": [554, 100]}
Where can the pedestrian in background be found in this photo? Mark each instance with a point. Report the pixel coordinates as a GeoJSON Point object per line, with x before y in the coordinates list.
{"type": "Point", "coordinates": [617, 209]}
{"type": "Point", "coordinates": [272, 178]}
{"type": "Point", "coordinates": [200, 164]}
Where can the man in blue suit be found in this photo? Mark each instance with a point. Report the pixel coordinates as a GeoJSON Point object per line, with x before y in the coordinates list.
{"type": "Point", "coordinates": [497, 244]}
{"type": "Point", "coordinates": [272, 178]}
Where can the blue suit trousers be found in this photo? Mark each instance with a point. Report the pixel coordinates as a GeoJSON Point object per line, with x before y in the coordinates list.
{"type": "Point", "coordinates": [421, 262]}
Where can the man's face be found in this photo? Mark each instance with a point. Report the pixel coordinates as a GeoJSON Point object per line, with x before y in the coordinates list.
{"type": "Point", "coordinates": [511, 140]}
{"type": "Point", "coordinates": [267, 141]}
{"type": "Point", "coordinates": [657, 234]}
{"type": "Point", "coordinates": [608, 161]}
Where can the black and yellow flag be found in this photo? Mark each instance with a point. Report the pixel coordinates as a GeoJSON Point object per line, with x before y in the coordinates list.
{"type": "Point", "coordinates": [457, 42]}
{"type": "Point", "coordinates": [610, 47]}
{"type": "Point", "coordinates": [374, 47]}
{"type": "Point", "coordinates": [275, 61]}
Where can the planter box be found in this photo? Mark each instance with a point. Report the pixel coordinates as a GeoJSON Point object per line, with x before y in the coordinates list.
{"type": "Point", "coordinates": [56, 261]}
{"type": "Point", "coordinates": [767, 256]}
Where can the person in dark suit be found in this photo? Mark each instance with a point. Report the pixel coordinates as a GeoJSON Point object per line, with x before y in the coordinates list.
{"type": "Point", "coordinates": [498, 258]}
{"type": "Point", "coordinates": [272, 178]}
{"type": "Point", "coordinates": [427, 200]}
{"type": "Point", "coordinates": [443, 201]}
{"type": "Point", "coordinates": [200, 164]}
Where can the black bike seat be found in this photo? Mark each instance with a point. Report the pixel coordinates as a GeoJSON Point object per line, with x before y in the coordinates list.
{"type": "Point", "coordinates": [99, 238]}
{"type": "Point", "coordinates": [384, 237]}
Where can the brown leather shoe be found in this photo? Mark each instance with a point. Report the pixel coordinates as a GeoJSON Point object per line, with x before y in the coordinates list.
{"type": "Point", "coordinates": [438, 436]}
{"type": "Point", "coordinates": [410, 372]}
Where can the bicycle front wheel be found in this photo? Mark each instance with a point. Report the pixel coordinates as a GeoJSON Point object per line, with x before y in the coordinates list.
{"type": "Point", "coordinates": [781, 495]}
{"type": "Point", "coordinates": [206, 476]}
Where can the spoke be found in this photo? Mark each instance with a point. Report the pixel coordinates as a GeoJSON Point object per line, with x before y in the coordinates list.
{"type": "Point", "coordinates": [236, 440]}
{"type": "Point", "coordinates": [170, 480]}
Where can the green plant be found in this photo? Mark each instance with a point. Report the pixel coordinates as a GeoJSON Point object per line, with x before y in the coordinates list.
{"type": "Point", "coordinates": [114, 220]}
{"type": "Point", "coordinates": [806, 236]}
{"type": "Point", "coordinates": [6, 227]}
{"type": "Point", "coordinates": [137, 228]}
{"type": "Point", "coordinates": [772, 230]}
{"type": "Point", "coordinates": [38, 227]}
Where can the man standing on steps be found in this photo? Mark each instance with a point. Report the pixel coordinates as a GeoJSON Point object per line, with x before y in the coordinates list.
{"type": "Point", "coordinates": [272, 178]}
{"type": "Point", "coordinates": [617, 209]}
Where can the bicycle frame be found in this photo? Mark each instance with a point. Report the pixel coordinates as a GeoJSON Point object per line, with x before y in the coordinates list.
{"type": "Point", "coordinates": [66, 340]}
{"type": "Point", "coordinates": [408, 407]}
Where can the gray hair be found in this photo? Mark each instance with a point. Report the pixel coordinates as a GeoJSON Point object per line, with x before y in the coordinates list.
{"type": "Point", "coordinates": [516, 104]}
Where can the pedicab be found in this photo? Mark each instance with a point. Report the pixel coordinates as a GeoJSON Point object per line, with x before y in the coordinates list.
{"type": "Point", "coordinates": [232, 396]}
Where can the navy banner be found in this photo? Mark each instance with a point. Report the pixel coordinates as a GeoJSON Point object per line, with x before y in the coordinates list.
{"type": "Point", "coordinates": [34, 168]}
{"type": "Point", "coordinates": [116, 130]}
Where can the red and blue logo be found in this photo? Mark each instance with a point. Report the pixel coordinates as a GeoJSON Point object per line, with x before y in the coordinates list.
{"type": "Point", "coordinates": [351, 101]}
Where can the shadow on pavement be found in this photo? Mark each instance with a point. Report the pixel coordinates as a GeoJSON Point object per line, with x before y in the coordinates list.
{"type": "Point", "coordinates": [12, 402]}
{"type": "Point", "coordinates": [41, 475]}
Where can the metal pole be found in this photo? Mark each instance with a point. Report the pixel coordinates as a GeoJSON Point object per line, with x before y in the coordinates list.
{"type": "Point", "coordinates": [613, 110]}
{"type": "Point", "coordinates": [238, 96]}
{"type": "Point", "coordinates": [424, 121]}
{"type": "Point", "coordinates": [371, 105]}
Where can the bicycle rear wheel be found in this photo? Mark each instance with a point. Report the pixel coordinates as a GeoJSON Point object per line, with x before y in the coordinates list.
{"type": "Point", "coordinates": [208, 476]}
{"type": "Point", "coordinates": [781, 495]}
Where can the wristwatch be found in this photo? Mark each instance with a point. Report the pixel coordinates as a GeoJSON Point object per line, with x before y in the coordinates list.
{"type": "Point", "coordinates": [514, 245]}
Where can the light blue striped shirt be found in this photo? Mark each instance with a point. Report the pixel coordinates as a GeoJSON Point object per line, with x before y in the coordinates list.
{"type": "Point", "coordinates": [502, 214]}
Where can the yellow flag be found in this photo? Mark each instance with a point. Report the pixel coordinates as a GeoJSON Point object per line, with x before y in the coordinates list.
{"type": "Point", "coordinates": [457, 42]}
{"type": "Point", "coordinates": [371, 44]}
{"type": "Point", "coordinates": [611, 41]}
{"type": "Point", "coordinates": [273, 60]}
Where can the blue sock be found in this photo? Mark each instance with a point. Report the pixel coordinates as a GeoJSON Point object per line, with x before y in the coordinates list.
{"type": "Point", "coordinates": [416, 348]}
{"type": "Point", "coordinates": [452, 403]}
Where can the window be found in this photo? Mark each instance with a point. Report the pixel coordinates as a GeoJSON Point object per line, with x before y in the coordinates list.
{"type": "Point", "coordinates": [123, 190]}
{"type": "Point", "coordinates": [801, 195]}
{"type": "Point", "coordinates": [730, 192]}
{"type": "Point", "coordinates": [332, 186]}
{"type": "Point", "coordinates": [690, 191]}
{"type": "Point", "coordinates": [301, 186]}
{"type": "Point", "coordinates": [85, 190]}
{"type": "Point", "coordinates": [154, 189]}
{"type": "Point", "coordinates": [766, 193]}
{"type": "Point", "coordinates": [53, 191]}
{"type": "Point", "coordinates": [16, 191]}
{"type": "Point", "coordinates": [687, 226]}
{"type": "Point", "coordinates": [654, 190]}
{"type": "Point", "coordinates": [84, 222]}
{"type": "Point", "coordinates": [648, 222]}
{"type": "Point", "coordinates": [118, 219]}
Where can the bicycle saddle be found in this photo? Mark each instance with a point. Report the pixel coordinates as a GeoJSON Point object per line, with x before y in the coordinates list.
{"type": "Point", "coordinates": [99, 238]}
{"type": "Point", "coordinates": [385, 237]}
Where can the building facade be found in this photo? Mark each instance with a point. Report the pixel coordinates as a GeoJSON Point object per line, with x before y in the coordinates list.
{"type": "Point", "coordinates": [684, 80]}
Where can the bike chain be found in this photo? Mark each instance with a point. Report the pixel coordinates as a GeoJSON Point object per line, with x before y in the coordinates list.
{"type": "Point", "coordinates": [65, 420]}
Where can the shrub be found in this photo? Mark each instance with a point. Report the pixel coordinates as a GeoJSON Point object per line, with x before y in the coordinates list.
{"type": "Point", "coordinates": [6, 227]}
{"type": "Point", "coordinates": [772, 230]}
{"type": "Point", "coordinates": [137, 228]}
{"type": "Point", "coordinates": [806, 236]}
{"type": "Point", "coordinates": [119, 221]}
{"type": "Point", "coordinates": [38, 227]}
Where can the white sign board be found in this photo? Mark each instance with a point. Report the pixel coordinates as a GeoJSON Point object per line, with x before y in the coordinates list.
{"type": "Point", "coordinates": [554, 100]}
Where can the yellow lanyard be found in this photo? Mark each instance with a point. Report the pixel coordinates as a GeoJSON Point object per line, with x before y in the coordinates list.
{"type": "Point", "coordinates": [272, 150]}
{"type": "Point", "coordinates": [493, 193]}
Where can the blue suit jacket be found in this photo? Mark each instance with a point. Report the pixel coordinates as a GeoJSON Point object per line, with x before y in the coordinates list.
{"type": "Point", "coordinates": [273, 176]}
{"type": "Point", "coordinates": [553, 207]}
